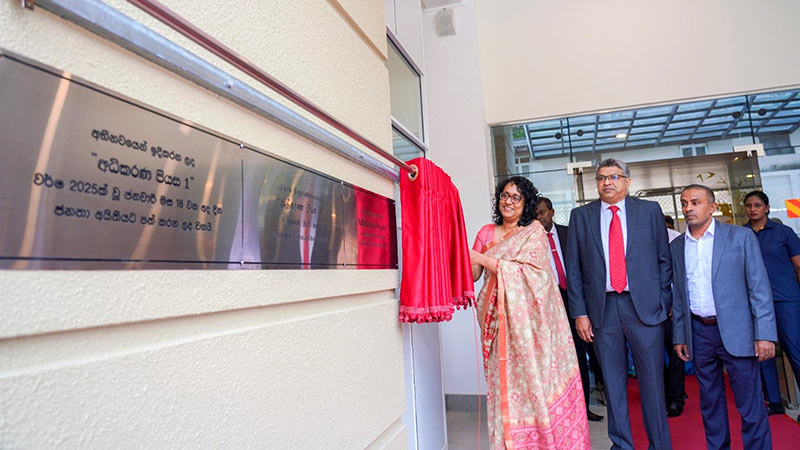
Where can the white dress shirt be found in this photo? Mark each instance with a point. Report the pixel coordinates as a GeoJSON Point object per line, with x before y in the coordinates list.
{"type": "Point", "coordinates": [605, 224]}
{"type": "Point", "coordinates": [698, 254]}
{"type": "Point", "coordinates": [554, 232]}
{"type": "Point", "coordinates": [672, 234]}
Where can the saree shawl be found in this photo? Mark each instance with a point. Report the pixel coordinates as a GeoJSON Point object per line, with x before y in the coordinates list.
{"type": "Point", "coordinates": [535, 396]}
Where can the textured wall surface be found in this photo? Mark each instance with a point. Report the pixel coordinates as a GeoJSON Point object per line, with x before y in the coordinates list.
{"type": "Point", "coordinates": [213, 359]}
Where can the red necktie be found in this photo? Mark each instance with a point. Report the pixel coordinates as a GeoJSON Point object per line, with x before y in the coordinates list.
{"type": "Point", "coordinates": [562, 279]}
{"type": "Point", "coordinates": [616, 253]}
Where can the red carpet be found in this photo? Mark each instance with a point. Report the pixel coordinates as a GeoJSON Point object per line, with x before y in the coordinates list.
{"type": "Point", "coordinates": [687, 430]}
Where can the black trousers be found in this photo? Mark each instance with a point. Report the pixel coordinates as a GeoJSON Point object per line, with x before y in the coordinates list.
{"type": "Point", "coordinates": [582, 349]}
{"type": "Point", "coordinates": [674, 371]}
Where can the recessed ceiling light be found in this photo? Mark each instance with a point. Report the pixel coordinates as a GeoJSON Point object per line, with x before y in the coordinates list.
{"type": "Point", "coordinates": [622, 135]}
{"type": "Point", "coordinates": [749, 175]}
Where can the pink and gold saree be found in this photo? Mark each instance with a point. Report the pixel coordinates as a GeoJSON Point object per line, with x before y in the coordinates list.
{"type": "Point", "coordinates": [535, 396]}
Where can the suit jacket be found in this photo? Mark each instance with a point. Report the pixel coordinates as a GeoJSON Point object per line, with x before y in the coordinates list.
{"type": "Point", "coordinates": [742, 296]}
{"type": "Point", "coordinates": [647, 259]}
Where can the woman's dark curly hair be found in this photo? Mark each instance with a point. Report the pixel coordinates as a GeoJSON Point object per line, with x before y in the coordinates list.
{"type": "Point", "coordinates": [529, 194]}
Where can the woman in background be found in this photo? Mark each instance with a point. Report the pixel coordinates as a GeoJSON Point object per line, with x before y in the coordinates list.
{"type": "Point", "coordinates": [780, 249]}
{"type": "Point", "coordinates": [535, 395]}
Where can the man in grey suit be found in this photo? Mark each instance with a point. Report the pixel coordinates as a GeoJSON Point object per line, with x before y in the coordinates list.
{"type": "Point", "coordinates": [618, 276]}
{"type": "Point", "coordinates": [723, 314]}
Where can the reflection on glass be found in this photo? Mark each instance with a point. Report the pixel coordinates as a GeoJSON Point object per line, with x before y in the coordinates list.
{"type": "Point", "coordinates": [406, 92]}
{"type": "Point", "coordinates": [403, 148]}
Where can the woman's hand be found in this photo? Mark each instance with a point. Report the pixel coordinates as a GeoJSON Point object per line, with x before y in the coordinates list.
{"type": "Point", "coordinates": [482, 262]}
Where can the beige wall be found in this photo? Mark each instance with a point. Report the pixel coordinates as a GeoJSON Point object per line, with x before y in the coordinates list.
{"type": "Point", "coordinates": [459, 139]}
{"type": "Point", "coordinates": [555, 58]}
{"type": "Point", "coordinates": [213, 359]}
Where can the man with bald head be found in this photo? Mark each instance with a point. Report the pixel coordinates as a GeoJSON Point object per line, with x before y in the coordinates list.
{"type": "Point", "coordinates": [723, 316]}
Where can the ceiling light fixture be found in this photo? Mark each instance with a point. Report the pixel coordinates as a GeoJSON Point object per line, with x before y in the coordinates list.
{"type": "Point", "coordinates": [622, 135]}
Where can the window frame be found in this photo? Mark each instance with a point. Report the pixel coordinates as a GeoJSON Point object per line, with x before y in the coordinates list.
{"type": "Point", "coordinates": [398, 126]}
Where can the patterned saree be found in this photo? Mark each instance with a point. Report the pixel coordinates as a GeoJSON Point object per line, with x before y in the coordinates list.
{"type": "Point", "coordinates": [535, 396]}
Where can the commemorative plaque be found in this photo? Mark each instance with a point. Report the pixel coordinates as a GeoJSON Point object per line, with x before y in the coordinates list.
{"type": "Point", "coordinates": [92, 180]}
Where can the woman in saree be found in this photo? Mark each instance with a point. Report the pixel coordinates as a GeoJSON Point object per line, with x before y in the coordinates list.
{"type": "Point", "coordinates": [535, 396]}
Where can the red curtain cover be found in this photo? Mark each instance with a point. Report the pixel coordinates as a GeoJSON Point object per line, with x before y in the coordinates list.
{"type": "Point", "coordinates": [436, 271]}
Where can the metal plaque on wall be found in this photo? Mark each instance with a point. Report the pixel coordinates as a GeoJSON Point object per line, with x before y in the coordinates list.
{"type": "Point", "coordinates": [93, 180]}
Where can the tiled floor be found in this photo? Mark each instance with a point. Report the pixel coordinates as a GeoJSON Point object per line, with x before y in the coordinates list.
{"type": "Point", "coordinates": [462, 430]}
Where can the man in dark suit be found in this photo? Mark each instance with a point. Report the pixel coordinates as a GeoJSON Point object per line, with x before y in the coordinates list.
{"type": "Point", "coordinates": [558, 242]}
{"type": "Point", "coordinates": [619, 274]}
{"type": "Point", "coordinates": [723, 314]}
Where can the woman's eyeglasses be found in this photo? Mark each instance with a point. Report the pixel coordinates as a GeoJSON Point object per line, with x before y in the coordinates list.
{"type": "Point", "coordinates": [614, 177]}
{"type": "Point", "coordinates": [514, 198]}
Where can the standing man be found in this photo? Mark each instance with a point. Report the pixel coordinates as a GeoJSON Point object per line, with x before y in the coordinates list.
{"type": "Point", "coordinates": [619, 274]}
{"type": "Point", "coordinates": [723, 314]}
{"type": "Point", "coordinates": [545, 212]}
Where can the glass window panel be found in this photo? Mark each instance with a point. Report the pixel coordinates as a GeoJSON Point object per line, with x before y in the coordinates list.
{"type": "Point", "coordinates": [586, 129]}
{"type": "Point", "coordinates": [721, 119]}
{"type": "Point", "coordinates": [589, 135]}
{"type": "Point", "coordinates": [705, 135]}
{"type": "Point", "coordinates": [773, 129]}
{"type": "Point", "coordinates": [754, 107]}
{"type": "Point", "coordinates": [544, 142]}
{"type": "Point", "coordinates": [608, 146]}
{"type": "Point", "coordinates": [611, 133]}
{"type": "Point", "coordinates": [547, 147]}
{"type": "Point", "coordinates": [636, 130]}
{"type": "Point", "coordinates": [612, 116]}
{"type": "Point", "coordinates": [772, 96]}
{"type": "Point", "coordinates": [638, 137]}
{"type": "Point", "coordinates": [746, 123]}
{"type": "Point", "coordinates": [611, 125]}
{"type": "Point", "coordinates": [405, 92]}
{"type": "Point", "coordinates": [655, 111]}
{"type": "Point", "coordinates": [790, 120]}
{"type": "Point", "coordinates": [544, 133]}
{"type": "Point", "coordinates": [687, 116]}
{"type": "Point", "coordinates": [688, 124]}
{"type": "Point", "coordinates": [674, 138]}
{"type": "Point", "coordinates": [403, 148]}
{"type": "Point", "coordinates": [695, 106]}
{"type": "Point", "coordinates": [712, 128]}
{"type": "Point", "coordinates": [727, 111]}
{"type": "Point", "coordinates": [793, 104]}
{"type": "Point", "coordinates": [549, 124]}
{"type": "Point", "coordinates": [677, 132]}
{"type": "Point", "coordinates": [788, 112]}
{"type": "Point", "coordinates": [728, 101]}
{"type": "Point", "coordinates": [650, 121]}
{"type": "Point", "coordinates": [581, 120]}
{"type": "Point", "coordinates": [640, 143]}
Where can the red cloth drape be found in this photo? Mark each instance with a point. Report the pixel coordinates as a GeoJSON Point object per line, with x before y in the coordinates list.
{"type": "Point", "coordinates": [436, 271]}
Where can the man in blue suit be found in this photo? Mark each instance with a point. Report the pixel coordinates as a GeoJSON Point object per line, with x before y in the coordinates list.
{"type": "Point", "coordinates": [618, 278]}
{"type": "Point", "coordinates": [723, 315]}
